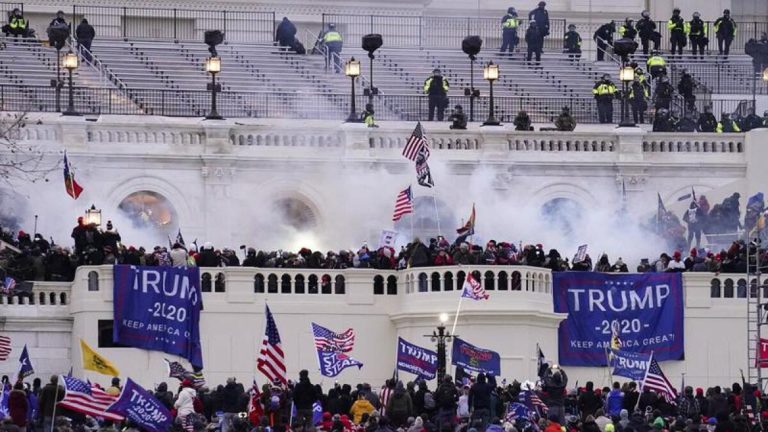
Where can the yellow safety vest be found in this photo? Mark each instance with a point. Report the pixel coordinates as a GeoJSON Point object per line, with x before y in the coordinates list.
{"type": "Point", "coordinates": [332, 36]}
{"type": "Point", "coordinates": [735, 125]}
{"type": "Point", "coordinates": [510, 23]}
{"type": "Point", "coordinates": [656, 61]}
{"type": "Point", "coordinates": [688, 29]}
{"type": "Point", "coordinates": [17, 22]}
{"type": "Point", "coordinates": [428, 82]}
{"type": "Point", "coordinates": [604, 89]}
{"type": "Point", "coordinates": [368, 119]}
{"type": "Point", "coordinates": [672, 25]}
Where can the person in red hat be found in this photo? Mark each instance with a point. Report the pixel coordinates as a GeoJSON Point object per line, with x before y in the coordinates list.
{"type": "Point", "coordinates": [676, 264]}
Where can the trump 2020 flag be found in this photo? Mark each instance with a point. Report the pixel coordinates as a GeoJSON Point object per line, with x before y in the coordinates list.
{"type": "Point", "coordinates": [473, 289]}
{"type": "Point", "coordinates": [416, 360]}
{"type": "Point", "coordinates": [25, 364]}
{"type": "Point", "coordinates": [142, 408]}
{"type": "Point", "coordinates": [630, 365]}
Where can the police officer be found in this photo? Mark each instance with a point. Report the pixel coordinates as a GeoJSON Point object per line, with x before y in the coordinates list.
{"type": "Point", "coordinates": [604, 92]}
{"type": "Point", "coordinates": [664, 93]}
{"type": "Point", "coordinates": [627, 30]}
{"type": "Point", "coordinates": [572, 42]}
{"type": "Point", "coordinates": [17, 25]}
{"type": "Point", "coordinates": [697, 33]}
{"type": "Point", "coordinates": [58, 20]}
{"type": "Point", "coordinates": [656, 64]}
{"type": "Point", "coordinates": [727, 125]}
{"type": "Point", "coordinates": [685, 87]}
{"type": "Point", "coordinates": [604, 37]}
{"type": "Point", "coordinates": [437, 88]}
{"type": "Point", "coordinates": [646, 27]}
{"type": "Point", "coordinates": [638, 99]}
{"type": "Point", "coordinates": [509, 30]}
{"type": "Point", "coordinates": [534, 39]}
{"type": "Point", "coordinates": [676, 26]}
{"type": "Point", "coordinates": [725, 29]}
{"type": "Point", "coordinates": [662, 121]}
{"type": "Point", "coordinates": [707, 121]}
{"type": "Point", "coordinates": [367, 116]}
{"type": "Point", "coordinates": [541, 16]}
{"type": "Point", "coordinates": [333, 42]}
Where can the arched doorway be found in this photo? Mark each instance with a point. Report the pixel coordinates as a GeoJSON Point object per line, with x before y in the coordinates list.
{"type": "Point", "coordinates": [295, 213]}
{"type": "Point", "coordinates": [147, 209]}
{"type": "Point", "coordinates": [562, 214]}
{"type": "Point", "coordinates": [425, 219]}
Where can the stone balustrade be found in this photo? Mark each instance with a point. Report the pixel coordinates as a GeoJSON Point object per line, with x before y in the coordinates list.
{"type": "Point", "coordinates": [330, 139]}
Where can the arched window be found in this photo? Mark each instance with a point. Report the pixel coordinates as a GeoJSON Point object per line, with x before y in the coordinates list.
{"type": "Point", "coordinates": [392, 285]}
{"type": "Point", "coordinates": [562, 214]}
{"type": "Point", "coordinates": [205, 282]}
{"type": "Point", "coordinates": [312, 286]}
{"type": "Point", "coordinates": [220, 285]}
{"type": "Point", "coordinates": [423, 282]}
{"type": "Point", "coordinates": [272, 284]}
{"type": "Point", "coordinates": [741, 288]}
{"type": "Point", "coordinates": [325, 284]}
{"type": "Point", "coordinates": [728, 288]}
{"type": "Point", "coordinates": [435, 282]}
{"type": "Point", "coordinates": [378, 285]}
{"type": "Point", "coordinates": [258, 283]}
{"type": "Point", "coordinates": [298, 284]}
{"type": "Point", "coordinates": [516, 281]}
{"type": "Point", "coordinates": [51, 296]}
{"type": "Point", "coordinates": [93, 281]}
{"type": "Point", "coordinates": [42, 299]}
{"type": "Point", "coordinates": [448, 281]}
{"type": "Point", "coordinates": [490, 281]}
{"type": "Point", "coordinates": [285, 284]}
{"type": "Point", "coordinates": [714, 288]}
{"type": "Point", "coordinates": [62, 299]}
{"type": "Point", "coordinates": [503, 282]}
{"type": "Point", "coordinates": [460, 276]}
{"type": "Point", "coordinates": [340, 287]}
{"type": "Point", "coordinates": [423, 221]}
{"type": "Point", "coordinates": [294, 213]}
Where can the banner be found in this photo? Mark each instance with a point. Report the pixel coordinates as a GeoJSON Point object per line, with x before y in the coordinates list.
{"type": "Point", "coordinates": [387, 239]}
{"type": "Point", "coordinates": [474, 358]}
{"type": "Point", "coordinates": [761, 359]}
{"type": "Point", "coordinates": [629, 365]}
{"type": "Point", "coordinates": [416, 360]}
{"type": "Point", "coordinates": [142, 408]}
{"type": "Point", "coordinates": [333, 362]}
{"type": "Point", "coordinates": [158, 308]}
{"type": "Point", "coordinates": [645, 310]}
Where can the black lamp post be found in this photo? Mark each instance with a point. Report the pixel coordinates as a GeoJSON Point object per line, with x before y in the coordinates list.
{"type": "Point", "coordinates": [441, 336]}
{"type": "Point", "coordinates": [471, 46]}
{"type": "Point", "coordinates": [213, 66]}
{"type": "Point", "coordinates": [371, 42]}
{"type": "Point", "coordinates": [626, 75]}
{"type": "Point", "coordinates": [71, 61]}
{"type": "Point", "coordinates": [491, 74]}
{"type": "Point", "coordinates": [352, 70]}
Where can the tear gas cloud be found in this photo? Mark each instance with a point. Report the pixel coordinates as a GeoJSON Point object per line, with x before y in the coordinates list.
{"type": "Point", "coordinates": [357, 203]}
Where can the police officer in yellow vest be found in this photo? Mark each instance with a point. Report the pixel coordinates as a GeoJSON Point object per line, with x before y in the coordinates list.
{"type": "Point", "coordinates": [333, 43]}
{"type": "Point", "coordinates": [437, 88]}
{"type": "Point", "coordinates": [17, 25]}
{"type": "Point", "coordinates": [726, 124]}
{"type": "Point", "coordinates": [657, 66]}
{"type": "Point", "coordinates": [509, 30]}
{"type": "Point", "coordinates": [677, 31]}
{"type": "Point", "coordinates": [604, 92]}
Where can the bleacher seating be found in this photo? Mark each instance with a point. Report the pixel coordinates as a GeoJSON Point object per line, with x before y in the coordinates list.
{"type": "Point", "coordinates": [167, 77]}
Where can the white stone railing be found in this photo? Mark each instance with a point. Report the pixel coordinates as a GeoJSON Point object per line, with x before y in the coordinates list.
{"type": "Point", "coordinates": [331, 139]}
{"type": "Point", "coordinates": [492, 278]}
{"type": "Point", "coordinates": [42, 294]}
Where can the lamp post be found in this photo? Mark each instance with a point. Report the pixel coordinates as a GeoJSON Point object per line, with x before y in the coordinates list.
{"type": "Point", "coordinates": [93, 216]}
{"type": "Point", "coordinates": [626, 75]}
{"type": "Point", "coordinates": [352, 70]}
{"type": "Point", "coordinates": [71, 61]}
{"type": "Point", "coordinates": [491, 74]}
{"type": "Point", "coordinates": [57, 84]}
{"type": "Point", "coordinates": [441, 336]}
{"type": "Point", "coordinates": [213, 66]}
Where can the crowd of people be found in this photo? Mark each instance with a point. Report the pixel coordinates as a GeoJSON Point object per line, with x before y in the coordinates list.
{"type": "Point", "coordinates": [33, 258]}
{"type": "Point", "coordinates": [470, 404]}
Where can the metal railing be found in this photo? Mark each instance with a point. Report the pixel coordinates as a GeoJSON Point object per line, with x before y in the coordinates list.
{"type": "Point", "coordinates": [188, 103]}
{"type": "Point", "coordinates": [745, 32]}
{"type": "Point", "coordinates": [724, 77]}
{"type": "Point", "coordinates": [176, 24]}
{"type": "Point", "coordinates": [435, 32]}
